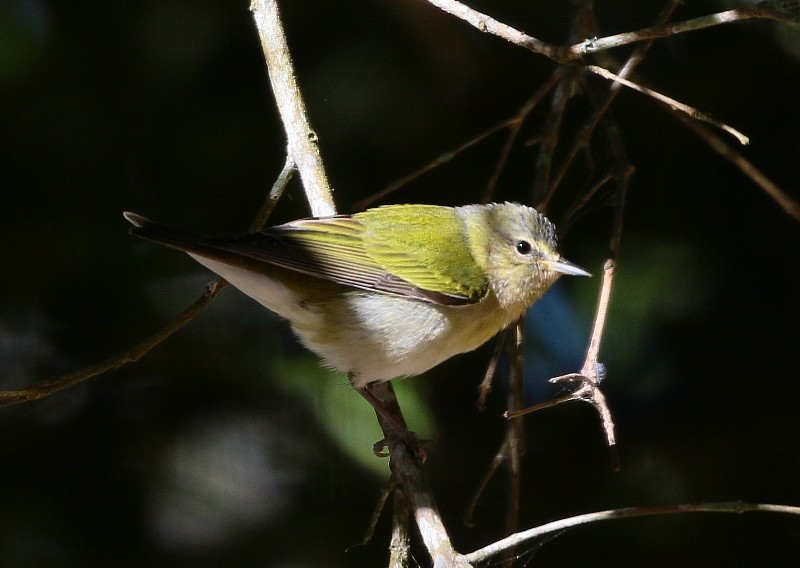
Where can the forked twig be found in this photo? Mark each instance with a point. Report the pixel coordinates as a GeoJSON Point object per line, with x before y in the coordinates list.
{"type": "Point", "coordinates": [592, 372]}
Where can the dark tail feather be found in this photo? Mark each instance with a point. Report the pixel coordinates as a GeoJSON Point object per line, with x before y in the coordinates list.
{"type": "Point", "coordinates": [177, 239]}
{"type": "Point", "coordinates": [228, 251]}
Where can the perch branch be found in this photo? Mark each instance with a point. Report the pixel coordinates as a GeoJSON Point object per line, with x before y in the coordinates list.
{"type": "Point", "coordinates": [302, 143]}
{"type": "Point", "coordinates": [408, 473]}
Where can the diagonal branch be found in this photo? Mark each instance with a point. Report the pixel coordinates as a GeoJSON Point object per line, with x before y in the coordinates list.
{"type": "Point", "coordinates": [487, 24]}
{"type": "Point", "coordinates": [690, 111]}
{"type": "Point", "coordinates": [41, 390]}
{"type": "Point", "coordinates": [783, 199]}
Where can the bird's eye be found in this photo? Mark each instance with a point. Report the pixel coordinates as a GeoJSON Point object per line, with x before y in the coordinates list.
{"type": "Point", "coordinates": [523, 247]}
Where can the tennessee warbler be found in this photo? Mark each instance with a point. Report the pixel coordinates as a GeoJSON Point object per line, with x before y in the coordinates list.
{"type": "Point", "coordinates": [391, 291]}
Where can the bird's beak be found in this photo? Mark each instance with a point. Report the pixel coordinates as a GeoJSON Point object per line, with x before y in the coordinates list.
{"type": "Point", "coordinates": [565, 267]}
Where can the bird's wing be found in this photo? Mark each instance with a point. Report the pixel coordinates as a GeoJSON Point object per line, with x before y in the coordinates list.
{"type": "Point", "coordinates": [426, 246]}
{"type": "Point", "coordinates": [397, 255]}
{"type": "Point", "coordinates": [403, 258]}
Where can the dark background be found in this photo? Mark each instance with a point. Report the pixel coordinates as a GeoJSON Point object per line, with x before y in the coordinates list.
{"type": "Point", "coordinates": [228, 445]}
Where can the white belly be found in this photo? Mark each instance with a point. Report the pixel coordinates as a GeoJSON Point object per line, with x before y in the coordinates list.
{"type": "Point", "coordinates": [370, 336]}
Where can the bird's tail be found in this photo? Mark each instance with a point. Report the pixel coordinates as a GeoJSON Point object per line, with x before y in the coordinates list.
{"type": "Point", "coordinates": [175, 238]}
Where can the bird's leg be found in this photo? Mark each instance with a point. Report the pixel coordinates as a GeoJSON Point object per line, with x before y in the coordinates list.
{"type": "Point", "coordinates": [391, 419]}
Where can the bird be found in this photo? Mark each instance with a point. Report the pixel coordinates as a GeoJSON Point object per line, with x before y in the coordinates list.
{"type": "Point", "coordinates": [392, 291]}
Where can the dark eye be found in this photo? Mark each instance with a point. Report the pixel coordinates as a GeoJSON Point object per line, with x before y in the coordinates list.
{"type": "Point", "coordinates": [523, 247]}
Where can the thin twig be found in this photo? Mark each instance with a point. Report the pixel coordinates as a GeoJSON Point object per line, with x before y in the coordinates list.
{"type": "Point", "coordinates": [274, 194]}
{"type": "Point", "coordinates": [592, 372]}
{"type": "Point", "coordinates": [580, 203]}
{"type": "Point", "coordinates": [485, 386]}
{"type": "Point", "coordinates": [488, 24]}
{"type": "Point", "coordinates": [435, 163]}
{"type": "Point", "coordinates": [498, 460]}
{"type": "Point", "coordinates": [515, 125]}
{"type": "Point", "coordinates": [41, 390]}
{"type": "Point", "coordinates": [515, 430]}
{"type": "Point", "coordinates": [762, 10]}
{"type": "Point", "coordinates": [672, 103]}
{"type": "Point", "coordinates": [488, 552]}
{"type": "Point", "coordinates": [600, 318]}
{"type": "Point", "coordinates": [388, 488]}
{"type": "Point", "coordinates": [784, 200]}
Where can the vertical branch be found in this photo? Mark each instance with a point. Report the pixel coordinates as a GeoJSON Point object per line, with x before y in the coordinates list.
{"type": "Point", "coordinates": [400, 545]}
{"type": "Point", "coordinates": [302, 142]}
{"type": "Point", "coordinates": [515, 430]}
{"type": "Point", "coordinates": [304, 151]}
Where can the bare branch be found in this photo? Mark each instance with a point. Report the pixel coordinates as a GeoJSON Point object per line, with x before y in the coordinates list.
{"type": "Point", "coordinates": [274, 195]}
{"type": "Point", "coordinates": [515, 429]}
{"type": "Point", "coordinates": [409, 475]}
{"type": "Point", "coordinates": [762, 10]}
{"type": "Point", "coordinates": [303, 143]}
{"type": "Point", "coordinates": [783, 199]}
{"type": "Point", "coordinates": [488, 552]}
{"type": "Point", "coordinates": [672, 103]}
{"type": "Point", "coordinates": [485, 386]}
{"type": "Point", "coordinates": [438, 161]}
{"type": "Point", "coordinates": [592, 372]}
{"type": "Point", "coordinates": [41, 390]}
{"type": "Point", "coordinates": [488, 24]}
